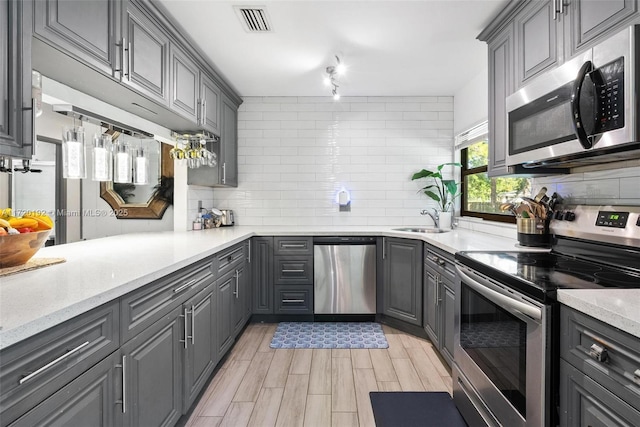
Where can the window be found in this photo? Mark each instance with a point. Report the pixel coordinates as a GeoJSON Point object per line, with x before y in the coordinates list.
{"type": "Point", "coordinates": [481, 195]}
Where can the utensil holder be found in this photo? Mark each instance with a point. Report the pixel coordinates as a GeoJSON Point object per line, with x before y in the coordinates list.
{"type": "Point", "coordinates": [533, 231]}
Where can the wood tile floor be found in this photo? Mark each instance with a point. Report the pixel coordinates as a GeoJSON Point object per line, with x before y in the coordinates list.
{"type": "Point", "coordinates": [260, 386]}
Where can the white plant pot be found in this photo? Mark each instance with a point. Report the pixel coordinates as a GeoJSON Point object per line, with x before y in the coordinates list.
{"type": "Point", "coordinates": [445, 220]}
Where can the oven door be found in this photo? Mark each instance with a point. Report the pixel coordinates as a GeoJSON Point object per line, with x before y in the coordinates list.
{"type": "Point", "coordinates": [501, 350]}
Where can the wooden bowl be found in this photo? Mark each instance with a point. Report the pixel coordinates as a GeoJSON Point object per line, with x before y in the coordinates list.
{"type": "Point", "coordinates": [17, 249]}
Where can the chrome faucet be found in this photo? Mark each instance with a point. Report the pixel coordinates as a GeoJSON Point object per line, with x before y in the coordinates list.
{"type": "Point", "coordinates": [434, 216]}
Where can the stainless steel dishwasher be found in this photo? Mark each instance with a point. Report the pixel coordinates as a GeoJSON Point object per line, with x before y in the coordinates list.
{"type": "Point", "coordinates": [344, 275]}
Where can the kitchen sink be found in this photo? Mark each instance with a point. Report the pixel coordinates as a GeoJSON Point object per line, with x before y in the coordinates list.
{"type": "Point", "coordinates": [421, 230]}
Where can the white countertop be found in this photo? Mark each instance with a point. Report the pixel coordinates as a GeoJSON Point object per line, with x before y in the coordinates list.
{"type": "Point", "coordinates": [616, 307]}
{"type": "Point", "coordinates": [101, 270]}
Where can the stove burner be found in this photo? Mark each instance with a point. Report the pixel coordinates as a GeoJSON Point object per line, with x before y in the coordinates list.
{"type": "Point", "coordinates": [617, 279]}
{"type": "Point", "coordinates": [577, 266]}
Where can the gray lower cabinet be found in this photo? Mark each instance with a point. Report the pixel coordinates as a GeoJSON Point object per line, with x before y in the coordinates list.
{"type": "Point", "coordinates": [87, 30]}
{"type": "Point", "coordinates": [439, 300]}
{"type": "Point", "coordinates": [201, 349]}
{"type": "Point", "coordinates": [16, 109]}
{"type": "Point", "coordinates": [152, 362]}
{"type": "Point", "coordinates": [599, 373]}
{"type": "Point", "coordinates": [262, 274]}
{"type": "Point", "coordinates": [92, 399]}
{"type": "Point", "coordinates": [240, 296]}
{"type": "Point", "coordinates": [146, 55]}
{"type": "Point", "coordinates": [224, 317]}
{"type": "Point", "coordinates": [402, 287]}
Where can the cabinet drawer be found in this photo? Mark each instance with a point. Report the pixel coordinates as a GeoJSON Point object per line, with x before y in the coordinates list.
{"type": "Point", "coordinates": [583, 402]}
{"type": "Point", "coordinates": [294, 301]}
{"type": "Point", "coordinates": [440, 261]}
{"type": "Point", "coordinates": [293, 270]}
{"type": "Point", "coordinates": [142, 308]}
{"type": "Point", "coordinates": [293, 245]}
{"type": "Point", "coordinates": [228, 259]}
{"type": "Point", "coordinates": [582, 338]}
{"type": "Point", "coordinates": [33, 370]}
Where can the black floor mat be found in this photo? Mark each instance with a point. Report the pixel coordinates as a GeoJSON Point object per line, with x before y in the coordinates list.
{"type": "Point", "coordinates": [415, 409]}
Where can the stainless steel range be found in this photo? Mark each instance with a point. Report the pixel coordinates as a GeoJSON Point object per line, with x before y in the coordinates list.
{"type": "Point", "coordinates": [506, 319]}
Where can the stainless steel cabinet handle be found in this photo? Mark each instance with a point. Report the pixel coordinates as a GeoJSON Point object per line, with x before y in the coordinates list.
{"type": "Point", "coordinates": [294, 245]}
{"type": "Point", "coordinates": [598, 353]}
{"type": "Point", "coordinates": [186, 285]}
{"type": "Point", "coordinates": [224, 172]}
{"type": "Point", "coordinates": [193, 324]}
{"type": "Point", "coordinates": [53, 362]}
{"type": "Point", "coordinates": [236, 292]}
{"type": "Point", "coordinates": [432, 258]}
{"type": "Point", "coordinates": [185, 316]}
{"type": "Point", "coordinates": [555, 10]}
{"type": "Point", "coordinates": [129, 62]}
{"type": "Point", "coordinates": [249, 252]}
{"type": "Point", "coordinates": [384, 248]}
{"type": "Point", "coordinates": [636, 376]}
{"type": "Point", "coordinates": [122, 49]}
{"type": "Point", "coordinates": [124, 384]}
{"type": "Point", "coordinates": [561, 7]}
{"type": "Point", "coordinates": [204, 112]}
{"type": "Point", "coordinates": [293, 271]}
{"type": "Point", "coordinates": [439, 288]}
{"type": "Point", "coordinates": [292, 301]}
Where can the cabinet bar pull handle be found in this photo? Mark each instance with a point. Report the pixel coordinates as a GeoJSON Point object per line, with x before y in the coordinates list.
{"type": "Point", "coordinates": [292, 301]}
{"type": "Point", "coordinates": [186, 285]}
{"type": "Point", "coordinates": [193, 324]}
{"type": "Point", "coordinates": [294, 245]}
{"type": "Point", "coordinates": [129, 62]}
{"type": "Point", "coordinates": [204, 112]}
{"type": "Point", "coordinates": [236, 293]}
{"type": "Point", "coordinates": [561, 6]}
{"type": "Point", "coordinates": [636, 376]}
{"type": "Point", "coordinates": [224, 172]}
{"type": "Point", "coordinates": [293, 271]}
{"type": "Point", "coordinates": [124, 384]}
{"type": "Point", "coordinates": [598, 353]}
{"type": "Point", "coordinates": [121, 46]}
{"type": "Point", "coordinates": [53, 362]}
{"type": "Point", "coordinates": [432, 258]}
{"type": "Point", "coordinates": [555, 9]}
{"type": "Point", "coordinates": [249, 254]}
{"type": "Point", "coordinates": [384, 248]}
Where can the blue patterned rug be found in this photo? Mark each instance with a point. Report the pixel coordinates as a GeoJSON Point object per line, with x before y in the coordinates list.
{"type": "Point", "coordinates": [329, 335]}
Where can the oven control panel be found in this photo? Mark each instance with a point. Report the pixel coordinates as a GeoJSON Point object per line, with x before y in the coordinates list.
{"type": "Point", "coordinates": [612, 219]}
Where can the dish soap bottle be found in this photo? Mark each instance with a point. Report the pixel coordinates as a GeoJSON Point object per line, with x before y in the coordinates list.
{"type": "Point", "coordinates": [197, 223]}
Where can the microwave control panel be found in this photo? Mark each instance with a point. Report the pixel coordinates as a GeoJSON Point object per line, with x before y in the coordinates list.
{"type": "Point", "coordinates": [611, 96]}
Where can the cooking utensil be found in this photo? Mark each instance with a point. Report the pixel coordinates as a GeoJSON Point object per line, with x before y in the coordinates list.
{"type": "Point", "coordinates": [540, 194]}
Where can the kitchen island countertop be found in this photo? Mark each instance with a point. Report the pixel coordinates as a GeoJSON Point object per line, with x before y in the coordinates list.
{"type": "Point", "coordinates": [616, 307]}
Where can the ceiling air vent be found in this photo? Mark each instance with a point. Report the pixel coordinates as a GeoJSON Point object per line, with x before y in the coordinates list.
{"type": "Point", "coordinates": [254, 18]}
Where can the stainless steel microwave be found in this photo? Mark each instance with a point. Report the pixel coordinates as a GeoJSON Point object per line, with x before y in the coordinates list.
{"type": "Point", "coordinates": [583, 112]}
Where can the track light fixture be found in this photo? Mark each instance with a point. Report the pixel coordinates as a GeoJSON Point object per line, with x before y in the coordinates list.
{"type": "Point", "coordinates": [333, 71]}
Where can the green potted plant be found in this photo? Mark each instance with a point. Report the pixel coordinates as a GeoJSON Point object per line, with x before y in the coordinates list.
{"type": "Point", "coordinates": [443, 191]}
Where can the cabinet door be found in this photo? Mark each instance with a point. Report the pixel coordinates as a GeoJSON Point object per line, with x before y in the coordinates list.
{"type": "Point", "coordinates": [201, 350]}
{"type": "Point", "coordinates": [403, 280]}
{"type": "Point", "coordinates": [262, 274]}
{"type": "Point", "coordinates": [153, 374]}
{"type": "Point", "coordinates": [447, 304]}
{"type": "Point", "coordinates": [536, 39]}
{"type": "Point", "coordinates": [590, 20]}
{"type": "Point", "coordinates": [16, 110]}
{"type": "Point", "coordinates": [185, 78]}
{"type": "Point", "coordinates": [88, 30]}
{"type": "Point", "coordinates": [89, 400]}
{"type": "Point", "coordinates": [229, 144]}
{"type": "Point", "coordinates": [431, 307]}
{"type": "Point", "coordinates": [226, 287]}
{"type": "Point", "coordinates": [500, 86]}
{"type": "Point", "coordinates": [210, 99]}
{"type": "Point", "coordinates": [239, 299]}
{"type": "Point", "coordinates": [147, 56]}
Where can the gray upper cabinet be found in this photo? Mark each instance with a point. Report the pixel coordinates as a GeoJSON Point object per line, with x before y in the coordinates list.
{"type": "Point", "coordinates": [402, 285]}
{"type": "Point", "coordinates": [229, 144]}
{"type": "Point", "coordinates": [500, 86]}
{"type": "Point", "coordinates": [185, 78]}
{"type": "Point", "coordinates": [16, 109]}
{"type": "Point", "coordinates": [209, 104]}
{"type": "Point", "coordinates": [589, 21]}
{"type": "Point", "coordinates": [536, 40]}
{"type": "Point", "coordinates": [146, 55]}
{"type": "Point", "coordinates": [87, 30]}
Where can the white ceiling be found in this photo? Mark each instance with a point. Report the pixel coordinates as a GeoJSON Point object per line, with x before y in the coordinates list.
{"type": "Point", "coordinates": [391, 48]}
